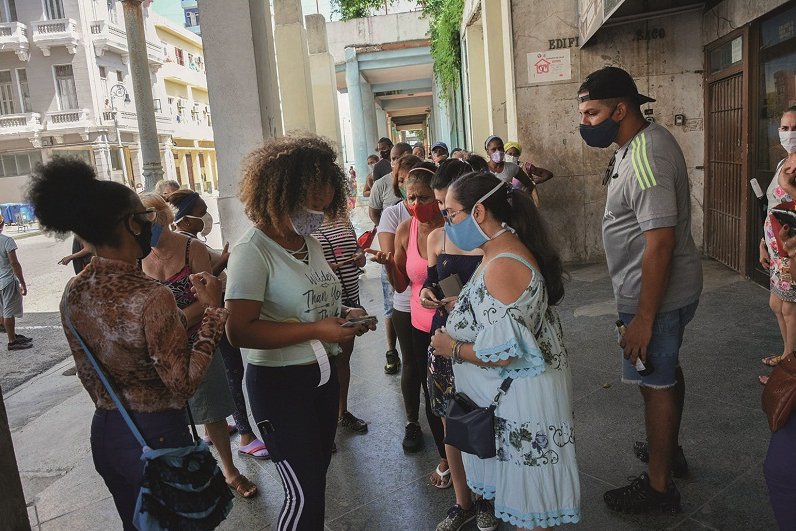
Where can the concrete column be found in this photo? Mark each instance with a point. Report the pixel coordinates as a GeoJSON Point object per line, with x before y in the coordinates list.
{"type": "Point", "coordinates": [142, 89]}
{"type": "Point", "coordinates": [480, 128]}
{"type": "Point", "coordinates": [295, 82]}
{"type": "Point", "coordinates": [168, 159]}
{"type": "Point", "coordinates": [371, 125]}
{"type": "Point", "coordinates": [102, 157]}
{"type": "Point", "coordinates": [324, 82]}
{"type": "Point", "coordinates": [242, 82]}
{"type": "Point", "coordinates": [360, 140]}
{"type": "Point", "coordinates": [381, 123]}
{"type": "Point", "coordinates": [494, 54]}
{"type": "Point", "coordinates": [508, 71]}
{"type": "Point", "coordinates": [12, 499]}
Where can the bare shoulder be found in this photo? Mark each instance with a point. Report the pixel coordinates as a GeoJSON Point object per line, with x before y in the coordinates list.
{"type": "Point", "coordinates": [403, 229]}
{"type": "Point", "coordinates": [434, 238]}
{"type": "Point", "coordinates": [507, 278]}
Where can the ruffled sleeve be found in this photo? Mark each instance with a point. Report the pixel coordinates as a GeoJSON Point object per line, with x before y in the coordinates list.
{"type": "Point", "coordinates": [506, 335]}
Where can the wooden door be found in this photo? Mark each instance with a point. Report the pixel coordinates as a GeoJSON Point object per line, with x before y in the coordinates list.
{"type": "Point", "coordinates": [727, 151]}
{"type": "Point", "coordinates": [189, 167]}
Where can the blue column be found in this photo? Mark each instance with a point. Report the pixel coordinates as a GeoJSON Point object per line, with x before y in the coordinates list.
{"type": "Point", "coordinates": [356, 107]}
{"type": "Point", "coordinates": [371, 129]}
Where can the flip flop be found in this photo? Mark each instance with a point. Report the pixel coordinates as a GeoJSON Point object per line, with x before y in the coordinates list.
{"type": "Point", "coordinates": [243, 486]}
{"type": "Point", "coordinates": [772, 361]}
{"type": "Point", "coordinates": [255, 449]}
{"type": "Point", "coordinates": [445, 477]}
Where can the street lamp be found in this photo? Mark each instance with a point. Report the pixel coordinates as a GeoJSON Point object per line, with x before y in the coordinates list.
{"type": "Point", "coordinates": [119, 91]}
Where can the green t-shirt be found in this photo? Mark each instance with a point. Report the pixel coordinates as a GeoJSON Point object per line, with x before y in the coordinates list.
{"type": "Point", "coordinates": [261, 270]}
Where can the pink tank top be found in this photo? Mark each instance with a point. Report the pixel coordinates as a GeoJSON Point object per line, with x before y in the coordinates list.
{"type": "Point", "coordinates": [417, 271]}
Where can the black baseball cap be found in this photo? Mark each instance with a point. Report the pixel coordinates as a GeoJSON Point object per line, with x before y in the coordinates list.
{"type": "Point", "coordinates": [610, 82]}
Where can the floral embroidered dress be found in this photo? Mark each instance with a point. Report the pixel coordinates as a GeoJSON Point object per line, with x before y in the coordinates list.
{"type": "Point", "coordinates": [782, 284]}
{"type": "Point", "coordinates": [534, 477]}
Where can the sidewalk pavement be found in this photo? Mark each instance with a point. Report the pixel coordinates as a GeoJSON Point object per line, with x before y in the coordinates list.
{"type": "Point", "coordinates": [373, 485]}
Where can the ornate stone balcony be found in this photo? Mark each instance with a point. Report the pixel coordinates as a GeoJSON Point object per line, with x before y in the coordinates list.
{"type": "Point", "coordinates": [20, 124]}
{"type": "Point", "coordinates": [109, 37]}
{"type": "Point", "coordinates": [74, 120]}
{"type": "Point", "coordinates": [60, 32]}
{"type": "Point", "coordinates": [14, 38]}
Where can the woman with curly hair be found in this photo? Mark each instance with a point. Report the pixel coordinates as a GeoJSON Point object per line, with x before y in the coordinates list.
{"type": "Point", "coordinates": [286, 313]}
{"type": "Point", "coordinates": [130, 322]}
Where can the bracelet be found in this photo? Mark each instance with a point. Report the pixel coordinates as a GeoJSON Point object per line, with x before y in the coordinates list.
{"type": "Point", "coordinates": [456, 356]}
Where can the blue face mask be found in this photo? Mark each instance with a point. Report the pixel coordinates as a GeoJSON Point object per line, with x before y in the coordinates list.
{"type": "Point", "coordinates": [468, 235]}
{"type": "Point", "coordinates": [157, 230]}
{"type": "Point", "coordinates": [601, 135]}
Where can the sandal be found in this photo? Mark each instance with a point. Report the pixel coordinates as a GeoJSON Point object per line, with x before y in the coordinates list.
{"type": "Point", "coordinates": [243, 486]}
{"type": "Point", "coordinates": [445, 478]}
{"type": "Point", "coordinates": [763, 379]}
{"type": "Point", "coordinates": [771, 361]}
{"type": "Point", "coordinates": [255, 449]}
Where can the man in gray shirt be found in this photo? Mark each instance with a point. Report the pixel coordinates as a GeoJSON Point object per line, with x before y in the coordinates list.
{"type": "Point", "coordinates": [382, 194]}
{"type": "Point", "coordinates": [655, 269]}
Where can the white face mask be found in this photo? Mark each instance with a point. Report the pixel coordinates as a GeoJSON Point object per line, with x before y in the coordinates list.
{"type": "Point", "coordinates": [511, 158]}
{"type": "Point", "coordinates": [788, 140]}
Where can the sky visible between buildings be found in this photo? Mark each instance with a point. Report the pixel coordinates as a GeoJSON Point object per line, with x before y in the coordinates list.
{"type": "Point", "coordinates": [172, 9]}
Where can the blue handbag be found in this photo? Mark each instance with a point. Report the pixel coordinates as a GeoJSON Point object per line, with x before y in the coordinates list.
{"type": "Point", "coordinates": [182, 488]}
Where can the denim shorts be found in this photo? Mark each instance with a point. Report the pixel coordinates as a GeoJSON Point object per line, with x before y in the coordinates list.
{"type": "Point", "coordinates": [387, 290]}
{"type": "Point", "coordinates": [663, 350]}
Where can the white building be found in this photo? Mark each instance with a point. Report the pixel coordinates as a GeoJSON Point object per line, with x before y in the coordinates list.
{"type": "Point", "coordinates": [65, 89]}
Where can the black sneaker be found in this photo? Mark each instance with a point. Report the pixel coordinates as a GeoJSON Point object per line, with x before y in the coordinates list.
{"type": "Point", "coordinates": [456, 518]}
{"type": "Point", "coordinates": [413, 438]}
{"type": "Point", "coordinates": [24, 339]}
{"type": "Point", "coordinates": [393, 362]}
{"type": "Point", "coordinates": [679, 464]}
{"type": "Point", "coordinates": [640, 498]}
{"type": "Point", "coordinates": [19, 345]}
{"type": "Point", "coordinates": [352, 423]}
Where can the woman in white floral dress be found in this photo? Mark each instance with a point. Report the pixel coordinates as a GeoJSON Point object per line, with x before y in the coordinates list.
{"type": "Point", "coordinates": [503, 326]}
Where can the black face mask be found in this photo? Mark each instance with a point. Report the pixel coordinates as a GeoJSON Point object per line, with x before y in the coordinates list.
{"type": "Point", "coordinates": [385, 154]}
{"type": "Point", "coordinates": [144, 238]}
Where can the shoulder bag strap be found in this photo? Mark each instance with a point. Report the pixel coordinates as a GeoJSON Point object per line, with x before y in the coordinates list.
{"type": "Point", "coordinates": [502, 390]}
{"type": "Point", "coordinates": [104, 379]}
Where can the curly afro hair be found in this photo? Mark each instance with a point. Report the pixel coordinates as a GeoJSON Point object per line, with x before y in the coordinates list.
{"type": "Point", "coordinates": [279, 176]}
{"type": "Point", "coordinates": [67, 197]}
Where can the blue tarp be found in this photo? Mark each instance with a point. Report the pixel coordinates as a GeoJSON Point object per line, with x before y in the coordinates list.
{"type": "Point", "coordinates": [11, 211]}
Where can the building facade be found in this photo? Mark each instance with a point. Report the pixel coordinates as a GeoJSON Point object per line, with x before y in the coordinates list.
{"type": "Point", "coordinates": [65, 90]}
{"type": "Point", "coordinates": [721, 71]}
{"type": "Point", "coordinates": [191, 9]}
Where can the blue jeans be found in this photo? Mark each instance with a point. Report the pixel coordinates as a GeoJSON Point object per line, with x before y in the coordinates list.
{"type": "Point", "coordinates": [387, 291]}
{"type": "Point", "coordinates": [663, 350]}
{"type": "Point", "coordinates": [117, 454]}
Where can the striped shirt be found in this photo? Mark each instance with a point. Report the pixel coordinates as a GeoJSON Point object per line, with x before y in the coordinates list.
{"type": "Point", "coordinates": [339, 243]}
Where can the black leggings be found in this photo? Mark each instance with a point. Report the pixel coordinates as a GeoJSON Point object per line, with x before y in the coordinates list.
{"type": "Point", "coordinates": [414, 375]}
{"type": "Point", "coordinates": [233, 363]}
{"type": "Point", "coordinates": [304, 420]}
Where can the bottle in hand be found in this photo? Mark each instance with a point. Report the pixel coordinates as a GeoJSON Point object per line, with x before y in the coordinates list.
{"type": "Point", "coordinates": [644, 369]}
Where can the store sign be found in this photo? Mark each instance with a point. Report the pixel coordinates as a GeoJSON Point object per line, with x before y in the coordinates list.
{"type": "Point", "coordinates": [549, 66]}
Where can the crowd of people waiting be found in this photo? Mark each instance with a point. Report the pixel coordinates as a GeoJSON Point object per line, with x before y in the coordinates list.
{"type": "Point", "coordinates": [470, 283]}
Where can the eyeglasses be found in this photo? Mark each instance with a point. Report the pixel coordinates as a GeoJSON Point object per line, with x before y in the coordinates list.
{"type": "Point", "coordinates": [449, 214]}
{"type": "Point", "coordinates": [609, 171]}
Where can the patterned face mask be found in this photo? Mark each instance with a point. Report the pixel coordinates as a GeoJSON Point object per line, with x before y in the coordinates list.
{"type": "Point", "coordinates": [306, 221]}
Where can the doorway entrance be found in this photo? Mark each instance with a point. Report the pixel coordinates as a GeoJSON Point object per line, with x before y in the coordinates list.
{"type": "Point", "coordinates": [726, 187]}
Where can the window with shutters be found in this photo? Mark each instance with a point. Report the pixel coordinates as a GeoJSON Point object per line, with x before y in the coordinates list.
{"type": "Point", "coordinates": [65, 83]}
{"type": "Point", "coordinates": [54, 9]}
{"type": "Point", "coordinates": [6, 93]}
{"type": "Point", "coordinates": [24, 89]}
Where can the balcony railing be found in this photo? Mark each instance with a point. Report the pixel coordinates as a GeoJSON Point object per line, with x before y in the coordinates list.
{"type": "Point", "coordinates": [59, 32]}
{"type": "Point", "coordinates": [11, 124]}
{"type": "Point", "coordinates": [75, 118]}
{"type": "Point", "coordinates": [14, 38]}
{"type": "Point", "coordinates": [107, 36]}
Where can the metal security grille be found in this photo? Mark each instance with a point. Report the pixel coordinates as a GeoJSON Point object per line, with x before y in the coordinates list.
{"type": "Point", "coordinates": [725, 182]}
